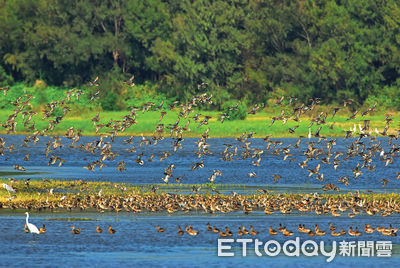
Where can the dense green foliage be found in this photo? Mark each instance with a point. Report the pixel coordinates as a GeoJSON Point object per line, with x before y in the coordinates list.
{"type": "Point", "coordinates": [241, 49]}
{"type": "Point", "coordinates": [234, 111]}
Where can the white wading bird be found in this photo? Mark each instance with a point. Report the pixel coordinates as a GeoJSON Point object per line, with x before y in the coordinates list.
{"type": "Point", "coordinates": [9, 188]}
{"type": "Point", "coordinates": [31, 227]}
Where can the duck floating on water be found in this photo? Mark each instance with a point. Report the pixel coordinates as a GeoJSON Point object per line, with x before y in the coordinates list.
{"type": "Point", "coordinates": [191, 231]}
{"type": "Point", "coordinates": [368, 229]}
{"type": "Point", "coordinates": [111, 230]}
{"type": "Point", "coordinates": [272, 231]}
{"type": "Point", "coordinates": [42, 230]}
{"type": "Point", "coordinates": [226, 233]}
{"type": "Point", "coordinates": [180, 231]}
{"type": "Point", "coordinates": [75, 231]}
{"type": "Point", "coordinates": [318, 231]}
{"type": "Point", "coordinates": [252, 231]}
{"type": "Point", "coordinates": [354, 232]}
{"type": "Point", "coordinates": [240, 232]}
{"type": "Point", "coordinates": [342, 232]}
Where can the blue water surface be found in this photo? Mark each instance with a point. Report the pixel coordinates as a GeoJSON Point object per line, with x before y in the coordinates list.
{"type": "Point", "coordinates": [137, 243]}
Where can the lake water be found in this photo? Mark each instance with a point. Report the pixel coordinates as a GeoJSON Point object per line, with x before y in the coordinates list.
{"type": "Point", "coordinates": [137, 242]}
{"type": "Point", "coordinates": [294, 178]}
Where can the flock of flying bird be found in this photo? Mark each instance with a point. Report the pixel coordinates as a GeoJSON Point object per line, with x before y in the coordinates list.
{"type": "Point", "coordinates": [321, 151]}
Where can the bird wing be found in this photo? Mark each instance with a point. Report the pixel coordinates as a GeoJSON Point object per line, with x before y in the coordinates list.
{"type": "Point", "coordinates": [32, 228]}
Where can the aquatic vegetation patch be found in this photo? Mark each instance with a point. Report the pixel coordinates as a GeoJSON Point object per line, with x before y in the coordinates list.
{"type": "Point", "coordinates": [153, 198]}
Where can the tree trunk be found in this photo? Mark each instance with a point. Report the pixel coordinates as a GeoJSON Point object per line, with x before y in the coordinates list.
{"type": "Point", "coordinates": [115, 57]}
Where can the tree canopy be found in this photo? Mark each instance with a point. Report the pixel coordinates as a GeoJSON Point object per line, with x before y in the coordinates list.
{"type": "Point", "coordinates": [242, 49]}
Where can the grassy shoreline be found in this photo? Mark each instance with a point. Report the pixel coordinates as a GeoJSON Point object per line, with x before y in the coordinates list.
{"type": "Point", "coordinates": [55, 190]}
{"type": "Point", "coordinates": [259, 124]}
{"type": "Point", "coordinates": [78, 196]}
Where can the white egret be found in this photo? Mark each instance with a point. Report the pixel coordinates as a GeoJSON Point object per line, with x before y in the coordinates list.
{"type": "Point", "coordinates": [9, 188]}
{"type": "Point", "coordinates": [31, 227]}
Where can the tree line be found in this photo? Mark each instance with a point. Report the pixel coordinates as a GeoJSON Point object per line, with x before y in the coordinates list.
{"type": "Point", "coordinates": [237, 49]}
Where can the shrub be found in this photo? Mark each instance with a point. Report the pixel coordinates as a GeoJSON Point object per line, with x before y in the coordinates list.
{"type": "Point", "coordinates": [57, 112]}
{"type": "Point", "coordinates": [237, 113]}
{"type": "Point", "coordinates": [139, 94]}
{"type": "Point", "coordinates": [387, 98]}
{"type": "Point", "coordinates": [109, 102]}
{"type": "Point", "coordinates": [40, 84]}
{"type": "Point", "coordinates": [5, 79]}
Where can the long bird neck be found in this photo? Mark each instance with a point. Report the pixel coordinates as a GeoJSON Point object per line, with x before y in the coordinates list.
{"type": "Point", "coordinates": [27, 217]}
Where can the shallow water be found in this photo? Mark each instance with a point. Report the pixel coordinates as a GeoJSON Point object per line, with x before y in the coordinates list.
{"type": "Point", "coordinates": [294, 178]}
{"type": "Point", "coordinates": [137, 242]}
